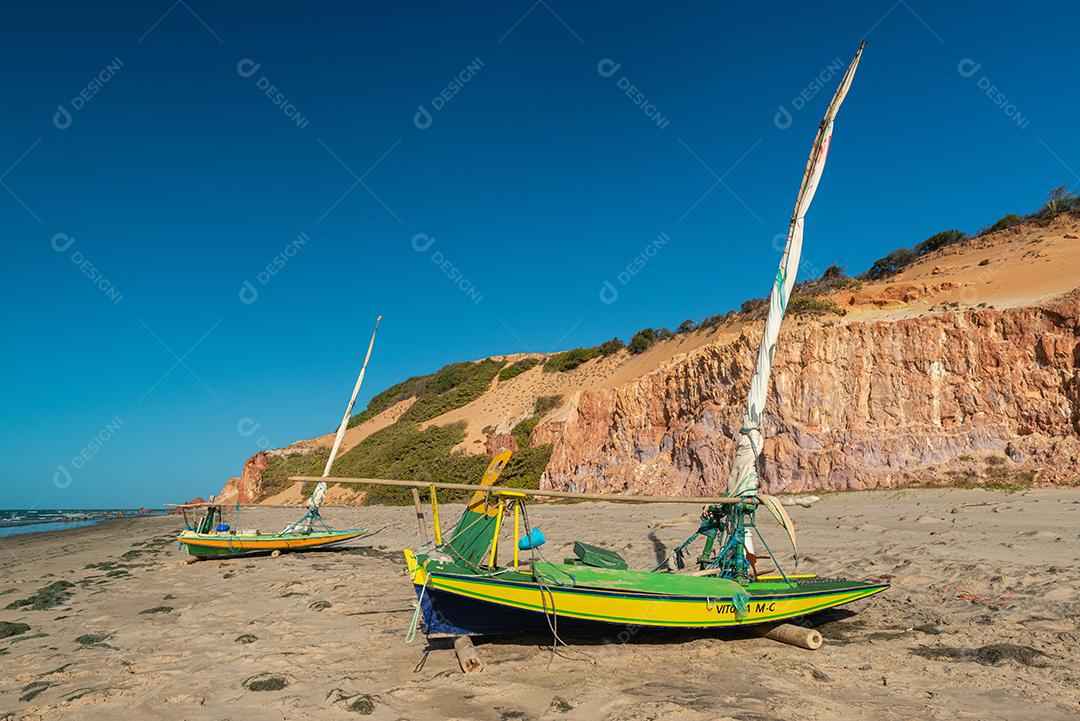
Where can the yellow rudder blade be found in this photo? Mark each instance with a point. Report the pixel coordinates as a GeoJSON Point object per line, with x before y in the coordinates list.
{"type": "Point", "coordinates": [494, 470]}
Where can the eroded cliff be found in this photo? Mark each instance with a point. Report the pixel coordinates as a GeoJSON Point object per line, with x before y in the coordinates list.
{"type": "Point", "coordinates": [853, 405]}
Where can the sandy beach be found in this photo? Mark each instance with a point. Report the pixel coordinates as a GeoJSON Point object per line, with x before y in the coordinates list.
{"type": "Point", "coordinates": [981, 622]}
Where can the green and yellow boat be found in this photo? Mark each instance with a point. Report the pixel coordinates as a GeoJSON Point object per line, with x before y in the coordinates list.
{"type": "Point", "coordinates": [210, 537]}
{"type": "Point", "coordinates": [457, 598]}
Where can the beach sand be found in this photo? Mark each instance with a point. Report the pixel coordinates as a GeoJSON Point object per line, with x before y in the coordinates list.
{"type": "Point", "coordinates": [982, 622]}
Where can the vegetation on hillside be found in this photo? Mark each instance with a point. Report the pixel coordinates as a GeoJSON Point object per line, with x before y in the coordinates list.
{"type": "Point", "coordinates": [900, 258]}
{"type": "Point", "coordinates": [809, 305]}
{"type": "Point", "coordinates": [518, 367]}
{"type": "Point", "coordinates": [394, 394]}
{"type": "Point", "coordinates": [805, 297]}
{"type": "Point", "coordinates": [407, 452]}
{"type": "Point", "coordinates": [645, 338]}
{"type": "Point", "coordinates": [1059, 200]}
{"type": "Point", "coordinates": [571, 359]}
{"type": "Point", "coordinates": [275, 478]}
{"type": "Point", "coordinates": [526, 466]}
{"type": "Point", "coordinates": [545, 404]}
{"type": "Point", "coordinates": [450, 387]}
{"type": "Point", "coordinates": [1002, 223]}
{"type": "Point", "coordinates": [611, 347]}
{"type": "Point", "coordinates": [528, 462]}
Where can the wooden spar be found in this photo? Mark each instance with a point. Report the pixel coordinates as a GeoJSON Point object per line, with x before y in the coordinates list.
{"type": "Point", "coordinates": [352, 401]}
{"type": "Point", "coordinates": [467, 656]}
{"type": "Point", "coordinates": [294, 506]}
{"type": "Point", "coordinates": [808, 638]}
{"type": "Point", "coordinates": [697, 500]}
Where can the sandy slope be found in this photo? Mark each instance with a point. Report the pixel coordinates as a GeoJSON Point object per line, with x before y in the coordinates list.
{"type": "Point", "coordinates": [1020, 266]}
{"type": "Point", "coordinates": [1001, 569]}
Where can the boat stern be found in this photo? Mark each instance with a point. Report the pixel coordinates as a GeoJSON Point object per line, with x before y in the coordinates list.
{"type": "Point", "coordinates": [416, 571]}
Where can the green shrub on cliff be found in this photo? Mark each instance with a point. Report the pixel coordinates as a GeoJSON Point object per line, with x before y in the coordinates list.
{"type": "Point", "coordinates": [643, 340]}
{"type": "Point", "coordinates": [517, 368]}
{"type": "Point", "coordinates": [808, 305]}
{"type": "Point", "coordinates": [1006, 221]}
{"type": "Point", "coordinates": [453, 387]}
{"type": "Point", "coordinates": [450, 387]}
{"type": "Point", "coordinates": [570, 359]}
{"type": "Point", "coordinates": [275, 478]}
{"type": "Point", "coordinates": [611, 347]}
{"type": "Point", "coordinates": [526, 466]}
{"type": "Point", "coordinates": [403, 451]}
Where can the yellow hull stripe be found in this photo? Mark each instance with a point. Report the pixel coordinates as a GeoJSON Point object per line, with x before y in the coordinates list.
{"type": "Point", "coordinates": [639, 610]}
{"type": "Point", "coordinates": [268, 544]}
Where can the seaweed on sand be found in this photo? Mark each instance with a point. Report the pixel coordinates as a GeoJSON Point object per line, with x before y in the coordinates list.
{"type": "Point", "coordinates": [989, 655]}
{"type": "Point", "coordinates": [46, 597]}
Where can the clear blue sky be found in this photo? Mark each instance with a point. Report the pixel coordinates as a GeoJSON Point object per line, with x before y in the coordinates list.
{"type": "Point", "coordinates": [151, 177]}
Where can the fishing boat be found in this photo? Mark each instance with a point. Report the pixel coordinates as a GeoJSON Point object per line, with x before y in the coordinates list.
{"type": "Point", "coordinates": [464, 588]}
{"type": "Point", "coordinates": [210, 536]}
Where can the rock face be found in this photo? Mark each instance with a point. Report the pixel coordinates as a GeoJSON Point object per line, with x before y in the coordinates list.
{"type": "Point", "coordinates": [248, 487]}
{"type": "Point", "coordinates": [852, 406]}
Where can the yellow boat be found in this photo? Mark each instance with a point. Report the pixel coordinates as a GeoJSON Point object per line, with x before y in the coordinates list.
{"type": "Point", "coordinates": [209, 536]}
{"type": "Point", "coordinates": [229, 543]}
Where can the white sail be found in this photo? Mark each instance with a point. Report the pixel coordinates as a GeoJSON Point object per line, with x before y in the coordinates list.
{"type": "Point", "coordinates": [352, 401]}
{"type": "Point", "coordinates": [743, 479]}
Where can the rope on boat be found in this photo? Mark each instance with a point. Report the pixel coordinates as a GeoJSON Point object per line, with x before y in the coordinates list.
{"type": "Point", "coordinates": [776, 563]}
{"type": "Point", "coordinates": [741, 602]}
{"type": "Point", "coordinates": [552, 616]}
{"type": "Point", "coordinates": [410, 633]}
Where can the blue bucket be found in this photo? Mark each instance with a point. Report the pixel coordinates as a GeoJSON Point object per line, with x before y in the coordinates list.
{"type": "Point", "coordinates": [222, 527]}
{"type": "Point", "coordinates": [534, 539]}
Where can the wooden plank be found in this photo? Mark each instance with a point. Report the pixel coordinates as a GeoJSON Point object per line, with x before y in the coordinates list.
{"type": "Point", "coordinates": [697, 500]}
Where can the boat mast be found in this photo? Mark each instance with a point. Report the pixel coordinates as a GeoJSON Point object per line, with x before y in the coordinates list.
{"type": "Point", "coordinates": [352, 401]}
{"type": "Point", "coordinates": [743, 479]}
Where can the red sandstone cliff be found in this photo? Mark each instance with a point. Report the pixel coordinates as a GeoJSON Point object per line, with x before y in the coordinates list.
{"type": "Point", "coordinates": [248, 488]}
{"type": "Point", "coordinates": [852, 406]}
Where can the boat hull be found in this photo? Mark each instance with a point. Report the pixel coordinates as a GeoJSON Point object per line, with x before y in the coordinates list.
{"type": "Point", "coordinates": [459, 604]}
{"type": "Point", "coordinates": [220, 545]}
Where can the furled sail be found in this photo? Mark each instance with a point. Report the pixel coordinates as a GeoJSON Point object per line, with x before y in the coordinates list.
{"type": "Point", "coordinates": [343, 426]}
{"type": "Point", "coordinates": [743, 478]}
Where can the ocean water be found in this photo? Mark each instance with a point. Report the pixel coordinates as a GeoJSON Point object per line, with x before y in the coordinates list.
{"type": "Point", "coordinates": [15, 522]}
